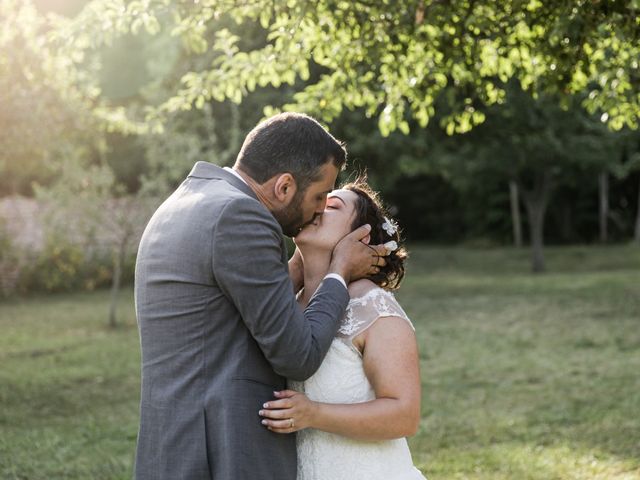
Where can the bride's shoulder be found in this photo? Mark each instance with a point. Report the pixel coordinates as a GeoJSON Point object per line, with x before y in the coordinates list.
{"type": "Point", "coordinates": [362, 287]}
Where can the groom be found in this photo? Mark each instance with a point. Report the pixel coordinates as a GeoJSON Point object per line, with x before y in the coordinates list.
{"type": "Point", "coordinates": [220, 328]}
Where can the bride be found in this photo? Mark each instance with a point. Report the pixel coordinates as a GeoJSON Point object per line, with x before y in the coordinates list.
{"type": "Point", "coordinates": [353, 414]}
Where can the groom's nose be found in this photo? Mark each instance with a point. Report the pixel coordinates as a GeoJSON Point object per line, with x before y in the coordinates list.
{"type": "Point", "coordinates": [322, 206]}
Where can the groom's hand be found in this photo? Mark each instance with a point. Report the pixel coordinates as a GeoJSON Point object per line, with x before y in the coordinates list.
{"type": "Point", "coordinates": [292, 411]}
{"type": "Point", "coordinates": [353, 258]}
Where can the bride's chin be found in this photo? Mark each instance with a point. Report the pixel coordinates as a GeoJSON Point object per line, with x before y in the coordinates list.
{"type": "Point", "coordinates": [300, 239]}
{"type": "Point", "coordinates": [310, 244]}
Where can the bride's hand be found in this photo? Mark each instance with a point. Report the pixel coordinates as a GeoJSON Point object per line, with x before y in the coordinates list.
{"type": "Point", "coordinates": [292, 411]}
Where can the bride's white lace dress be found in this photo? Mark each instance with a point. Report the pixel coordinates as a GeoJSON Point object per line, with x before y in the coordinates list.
{"type": "Point", "coordinates": [341, 379]}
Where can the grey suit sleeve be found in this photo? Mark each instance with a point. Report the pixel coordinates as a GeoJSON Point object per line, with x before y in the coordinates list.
{"type": "Point", "coordinates": [249, 268]}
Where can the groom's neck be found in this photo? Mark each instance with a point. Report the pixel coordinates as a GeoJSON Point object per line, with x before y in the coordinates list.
{"type": "Point", "coordinates": [261, 190]}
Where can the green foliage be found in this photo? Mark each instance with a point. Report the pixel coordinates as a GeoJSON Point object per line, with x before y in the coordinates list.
{"type": "Point", "coordinates": [64, 267]}
{"type": "Point", "coordinates": [395, 63]}
{"type": "Point", "coordinates": [188, 137]}
{"type": "Point", "coordinates": [430, 209]}
{"type": "Point", "coordinates": [44, 113]}
{"type": "Point", "coordinates": [526, 136]}
{"type": "Point", "coordinates": [89, 221]}
{"type": "Point", "coordinates": [124, 70]}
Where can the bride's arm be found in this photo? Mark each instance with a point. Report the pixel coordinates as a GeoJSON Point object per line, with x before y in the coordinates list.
{"type": "Point", "coordinates": [391, 364]}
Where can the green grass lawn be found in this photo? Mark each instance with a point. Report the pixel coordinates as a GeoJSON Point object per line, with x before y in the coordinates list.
{"type": "Point", "coordinates": [524, 377]}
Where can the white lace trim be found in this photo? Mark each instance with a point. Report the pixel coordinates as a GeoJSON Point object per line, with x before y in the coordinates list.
{"type": "Point", "coordinates": [363, 311]}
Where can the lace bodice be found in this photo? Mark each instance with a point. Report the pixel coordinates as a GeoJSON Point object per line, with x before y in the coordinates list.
{"type": "Point", "coordinates": [341, 379]}
{"type": "Point", "coordinates": [362, 312]}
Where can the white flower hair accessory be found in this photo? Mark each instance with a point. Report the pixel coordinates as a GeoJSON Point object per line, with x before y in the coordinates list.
{"type": "Point", "coordinates": [389, 227]}
{"type": "Point", "coordinates": [391, 246]}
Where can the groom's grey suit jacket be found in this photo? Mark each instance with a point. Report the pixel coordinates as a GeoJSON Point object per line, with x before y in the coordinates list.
{"type": "Point", "coordinates": [220, 330]}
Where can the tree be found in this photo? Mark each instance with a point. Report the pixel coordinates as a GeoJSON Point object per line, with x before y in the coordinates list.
{"type": "Point", "coordinates": [43, 112]}
{"type": "Point", "coordinates": [630, 164]}
{"type": "Point", "coordinates": [396, 60]}
{"type": "Point", "coordinates": [636, 234]}
{"type": "Point", "coordinates": [93, 210]}
{"type": "Point", "coordinates": [533, 144]}
{"type": "Point", "coordinates": [514, 198]}
{"type": "Point", "coordinates": [404, 65]}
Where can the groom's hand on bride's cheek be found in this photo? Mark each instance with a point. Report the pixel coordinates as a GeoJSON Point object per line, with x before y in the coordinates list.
{"type": "Point", "coordinates": [379, 259]}
{"type": "Point", "coordinates": [353, 258]}
{"type": "Point", "coordinates": [378, 254]}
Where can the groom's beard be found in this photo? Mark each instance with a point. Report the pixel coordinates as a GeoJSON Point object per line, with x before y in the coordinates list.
{"type": "Point", "coordinates": [291, 218]}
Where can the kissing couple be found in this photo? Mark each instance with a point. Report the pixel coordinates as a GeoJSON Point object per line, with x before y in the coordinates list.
{"type": "Point", "coordinates": [259, 367]}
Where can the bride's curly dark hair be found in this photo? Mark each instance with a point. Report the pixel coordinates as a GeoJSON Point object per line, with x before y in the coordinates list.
{"type": "Point", "coordinates": [370, 209]}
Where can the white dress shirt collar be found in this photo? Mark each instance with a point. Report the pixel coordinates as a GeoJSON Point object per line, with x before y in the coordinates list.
{"type": "Point", "coordinates": [231, 170]}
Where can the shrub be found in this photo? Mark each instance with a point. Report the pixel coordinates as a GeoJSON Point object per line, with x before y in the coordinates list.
{"type": "Point", "coordinates": [10, 263]}
{"type": "Point", "coordinates": [63, 266]}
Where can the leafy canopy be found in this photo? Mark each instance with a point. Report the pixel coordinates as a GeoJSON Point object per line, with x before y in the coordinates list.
{"type": "Point", "coordinates": [396, 60]}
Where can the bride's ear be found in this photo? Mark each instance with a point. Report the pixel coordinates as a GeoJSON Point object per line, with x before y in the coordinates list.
{"type": "Point", "coordinates": [284, 188]}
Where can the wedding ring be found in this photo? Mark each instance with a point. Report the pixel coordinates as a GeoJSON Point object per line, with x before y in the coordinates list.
{"type": "Point", "coordinates": [293, 424]}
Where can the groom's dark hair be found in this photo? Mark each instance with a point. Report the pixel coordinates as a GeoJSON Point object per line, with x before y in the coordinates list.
{"type": "Point", "coordinates": [293, 143]}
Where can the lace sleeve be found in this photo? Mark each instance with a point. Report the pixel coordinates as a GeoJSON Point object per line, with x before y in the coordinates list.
{"type": "Point", "coordinates": [362, 312]}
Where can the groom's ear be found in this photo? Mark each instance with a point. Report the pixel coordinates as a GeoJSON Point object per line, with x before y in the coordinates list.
{"type": "Point", "coordinates": [284, 188]}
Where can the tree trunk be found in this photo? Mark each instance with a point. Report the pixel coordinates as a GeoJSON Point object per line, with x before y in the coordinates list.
{"type": "Point", "coordinates": [536, 201]}
{"type": "Point", "coordinates": [536, 211]}
{"type": "Point", "coordinates": [118, 263]}
{"type": "Point", "coordinates": [515, 213]}
{"type": "Point", "coordinates": [603, 181]}
{"type": "Point", "coordinates": [637, 232]}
